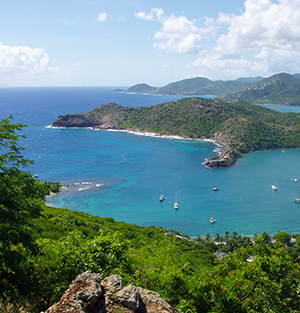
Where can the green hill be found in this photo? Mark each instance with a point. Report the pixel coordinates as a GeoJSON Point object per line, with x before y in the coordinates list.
{"type": "Point", "coordinates": [240, 127]}
{"type": "Point", "coordinates": [204, 86]}
{"type": "Point", "coordinates": [195, 86]}
{"type": "Point", "coordinates": [139, 88]}
{"type": "Point", "coordinates": [278, 89]}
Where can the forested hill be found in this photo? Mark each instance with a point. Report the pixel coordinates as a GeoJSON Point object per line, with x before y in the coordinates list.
{"type": "Point", "coordinates": [195, 86]}
{"type": "Point", "coordinates": [278, 89]}
{"type": "Point", "coordinates": [240, 127]}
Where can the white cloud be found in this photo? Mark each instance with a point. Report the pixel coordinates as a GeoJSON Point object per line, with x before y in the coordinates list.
{"type": "Point", "coordinates": [265, 38]}
{"type": "Point", "coordinates": [77, 63]}
{"type": "Point", "coordinates": [165, 66]}
{"type": "Point", "coordinates": [18, 60]}
{"type": "Point", "coordinates": [102, 17]}
{"type": "Point", "coordinates": [155, 12]}
{"type": "Point", "coordinates": [177, 34]}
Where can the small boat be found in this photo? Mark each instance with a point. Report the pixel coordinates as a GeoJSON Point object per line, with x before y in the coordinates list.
{"type": "Point", "coordinates": [298, 199]}
{"type": "Point", "coordinates": [274, 187]}
{"type": "Point", "coordinates": [215, 187]}
{"type": "Point", "coordinates": [212, 220]}
{"type": "Point", "coordinates": [161, 198]}
{"type": "Point", "coordinates": [176, 206]}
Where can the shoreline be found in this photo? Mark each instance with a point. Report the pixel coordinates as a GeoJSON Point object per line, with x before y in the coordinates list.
{"type": "Point", "coordinates": [219, 150]}
{"type": "Point", "coordinates": [141, 133]}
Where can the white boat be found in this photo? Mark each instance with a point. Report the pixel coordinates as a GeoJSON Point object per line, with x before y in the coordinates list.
{"type": "Point", "coordinates": [298, 199]}
{"type": "Point", "coordinates": [215, 187]}
{"type": "Point", "coordinates": [176, 206]}
{"type": "Point", "coordinates": [274, 186]}
{"type": "Point", "coordinates": [212, 220]}
{"type": "Point", "coordinates": [161, 198]}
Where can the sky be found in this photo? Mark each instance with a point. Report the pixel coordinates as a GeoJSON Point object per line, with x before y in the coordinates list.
{"type": "Point", "coordinates": [126, 42]}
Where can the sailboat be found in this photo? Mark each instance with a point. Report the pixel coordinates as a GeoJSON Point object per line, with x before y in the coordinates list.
{"type": "Point", "coordinates": [161, 198]}
{"type": "Point", "coordinates": [298, 199]}
{"type": "Point", "coordinates": [176, 206]}
{"type": "Point", "coordinates": [215, 187]}
{"type": "Point", "coordinates": [274, 187]}
{"type": "Point", "coordinates": [212, 220]}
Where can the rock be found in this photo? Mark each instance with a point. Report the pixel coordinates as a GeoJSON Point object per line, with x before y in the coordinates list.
{"type": "Point", "coordinates": [130, 298]}
{"type": "Point", "coordinates": [90, 293]}
{"type": "Point", "coordinates": [81, 296]}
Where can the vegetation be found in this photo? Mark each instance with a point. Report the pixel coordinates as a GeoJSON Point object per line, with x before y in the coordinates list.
{"type": "Point", "coordinates": [195, 86]}
{"type": "Point", "coordinates": [240, 127]}
{"type": "Point", "coordinates": [42, 249]}
{"type": "Point", "coordinates": [278, 89]}
{"type": "Point", "coordinates": [139, 88]}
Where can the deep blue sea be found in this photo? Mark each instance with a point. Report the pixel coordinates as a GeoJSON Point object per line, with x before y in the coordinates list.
{"type": "Point", "coordinates": [121, 175]}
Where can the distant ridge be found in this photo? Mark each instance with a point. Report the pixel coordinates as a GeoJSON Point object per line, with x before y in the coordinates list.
{"type": "Point", "coordinates": [139, 88]}
{"type": "Point", "coordinates": [280, 88]}
{"type": "Point", "coordinates": [195, 86]}
{"type": "Point", "coordinates": [205, 86]}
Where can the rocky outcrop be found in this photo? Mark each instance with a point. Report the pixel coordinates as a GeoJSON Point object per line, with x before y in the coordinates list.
{"type": "Point", "coordinates": [90, 293]}
{"type": "Point", "coordinates": [227, 158]}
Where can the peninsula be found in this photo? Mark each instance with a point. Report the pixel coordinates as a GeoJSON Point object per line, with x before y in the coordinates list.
{"type": "Point", "coordinates": [239, 127]}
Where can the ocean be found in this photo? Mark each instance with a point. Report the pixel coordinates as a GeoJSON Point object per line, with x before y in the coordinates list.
{"type": "Point", "coordinates": [121, 175]}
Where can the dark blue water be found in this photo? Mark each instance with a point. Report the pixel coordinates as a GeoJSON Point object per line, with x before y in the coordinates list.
{"type": "Point", "coordinates": [121, 175]}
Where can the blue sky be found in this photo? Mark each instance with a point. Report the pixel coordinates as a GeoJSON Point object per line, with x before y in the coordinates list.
{"type": "Point", "coordinates": [122, 43]}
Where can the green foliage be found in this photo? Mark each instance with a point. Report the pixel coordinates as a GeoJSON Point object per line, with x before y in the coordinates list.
{"type": "Point", "coordinates": [62, 260]}
{"type": "Point", "coordinates": [267, 284]}
{"type": "Point", "coordinates": [282, 237]}
{"type": "Point", "coordinates": [20, 203]}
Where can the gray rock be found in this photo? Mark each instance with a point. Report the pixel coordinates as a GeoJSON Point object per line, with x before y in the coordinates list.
{"type": "Point", "coordinates": [90, 293]}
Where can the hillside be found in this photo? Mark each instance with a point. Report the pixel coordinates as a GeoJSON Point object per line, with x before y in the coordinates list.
{"type": "Point", "coordinates": [278, 89]}
{"type": "Point", "coordinates": [240, 127]}
{"type": "Point", "coordinates": [204, 86]}
{"type": "Point", "coordinates": [195, 86]}
{"type": "Point", "coordinates": [139, 88]}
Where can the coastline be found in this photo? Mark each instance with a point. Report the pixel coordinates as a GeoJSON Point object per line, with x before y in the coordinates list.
{"type": "Point", "coordinates": [141, 133]}
{"type": "Point", "coordinates": [219, 150]}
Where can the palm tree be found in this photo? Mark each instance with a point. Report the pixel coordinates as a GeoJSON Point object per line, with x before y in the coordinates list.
{"type": "Point", "coordinates": [226, 236]}
{"type": "Point", "coordinates": [217, 238]}
{"type": "Point", "coordinates": [207, 237]}
{"type": "Point", "coordinates": [234, 235]}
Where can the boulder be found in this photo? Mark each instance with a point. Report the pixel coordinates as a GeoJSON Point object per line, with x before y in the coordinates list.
{"type": "Point", "coordinates": [91, 293]}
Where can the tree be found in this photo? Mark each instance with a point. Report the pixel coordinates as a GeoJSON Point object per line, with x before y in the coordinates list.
{"type": "Point", "coordinates": [20, 203]}
{"type": "Point", "coordinates": [268, 283]}
{"type": "Point", "coordinates": [283, 237]}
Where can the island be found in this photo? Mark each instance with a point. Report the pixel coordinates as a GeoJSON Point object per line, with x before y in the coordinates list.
{"type": "Point", "coordinates": [239, 127]}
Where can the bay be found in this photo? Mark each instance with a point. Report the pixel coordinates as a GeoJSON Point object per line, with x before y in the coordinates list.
{"type": "Point", "coordinates": [121, 175]}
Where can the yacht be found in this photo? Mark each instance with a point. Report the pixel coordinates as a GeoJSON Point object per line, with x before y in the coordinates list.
{"type": "Point", "coordinates": [176, 206]}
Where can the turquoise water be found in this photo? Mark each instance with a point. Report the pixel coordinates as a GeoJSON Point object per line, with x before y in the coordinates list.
{"type": "Point", "coordinates": [121, 175]}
